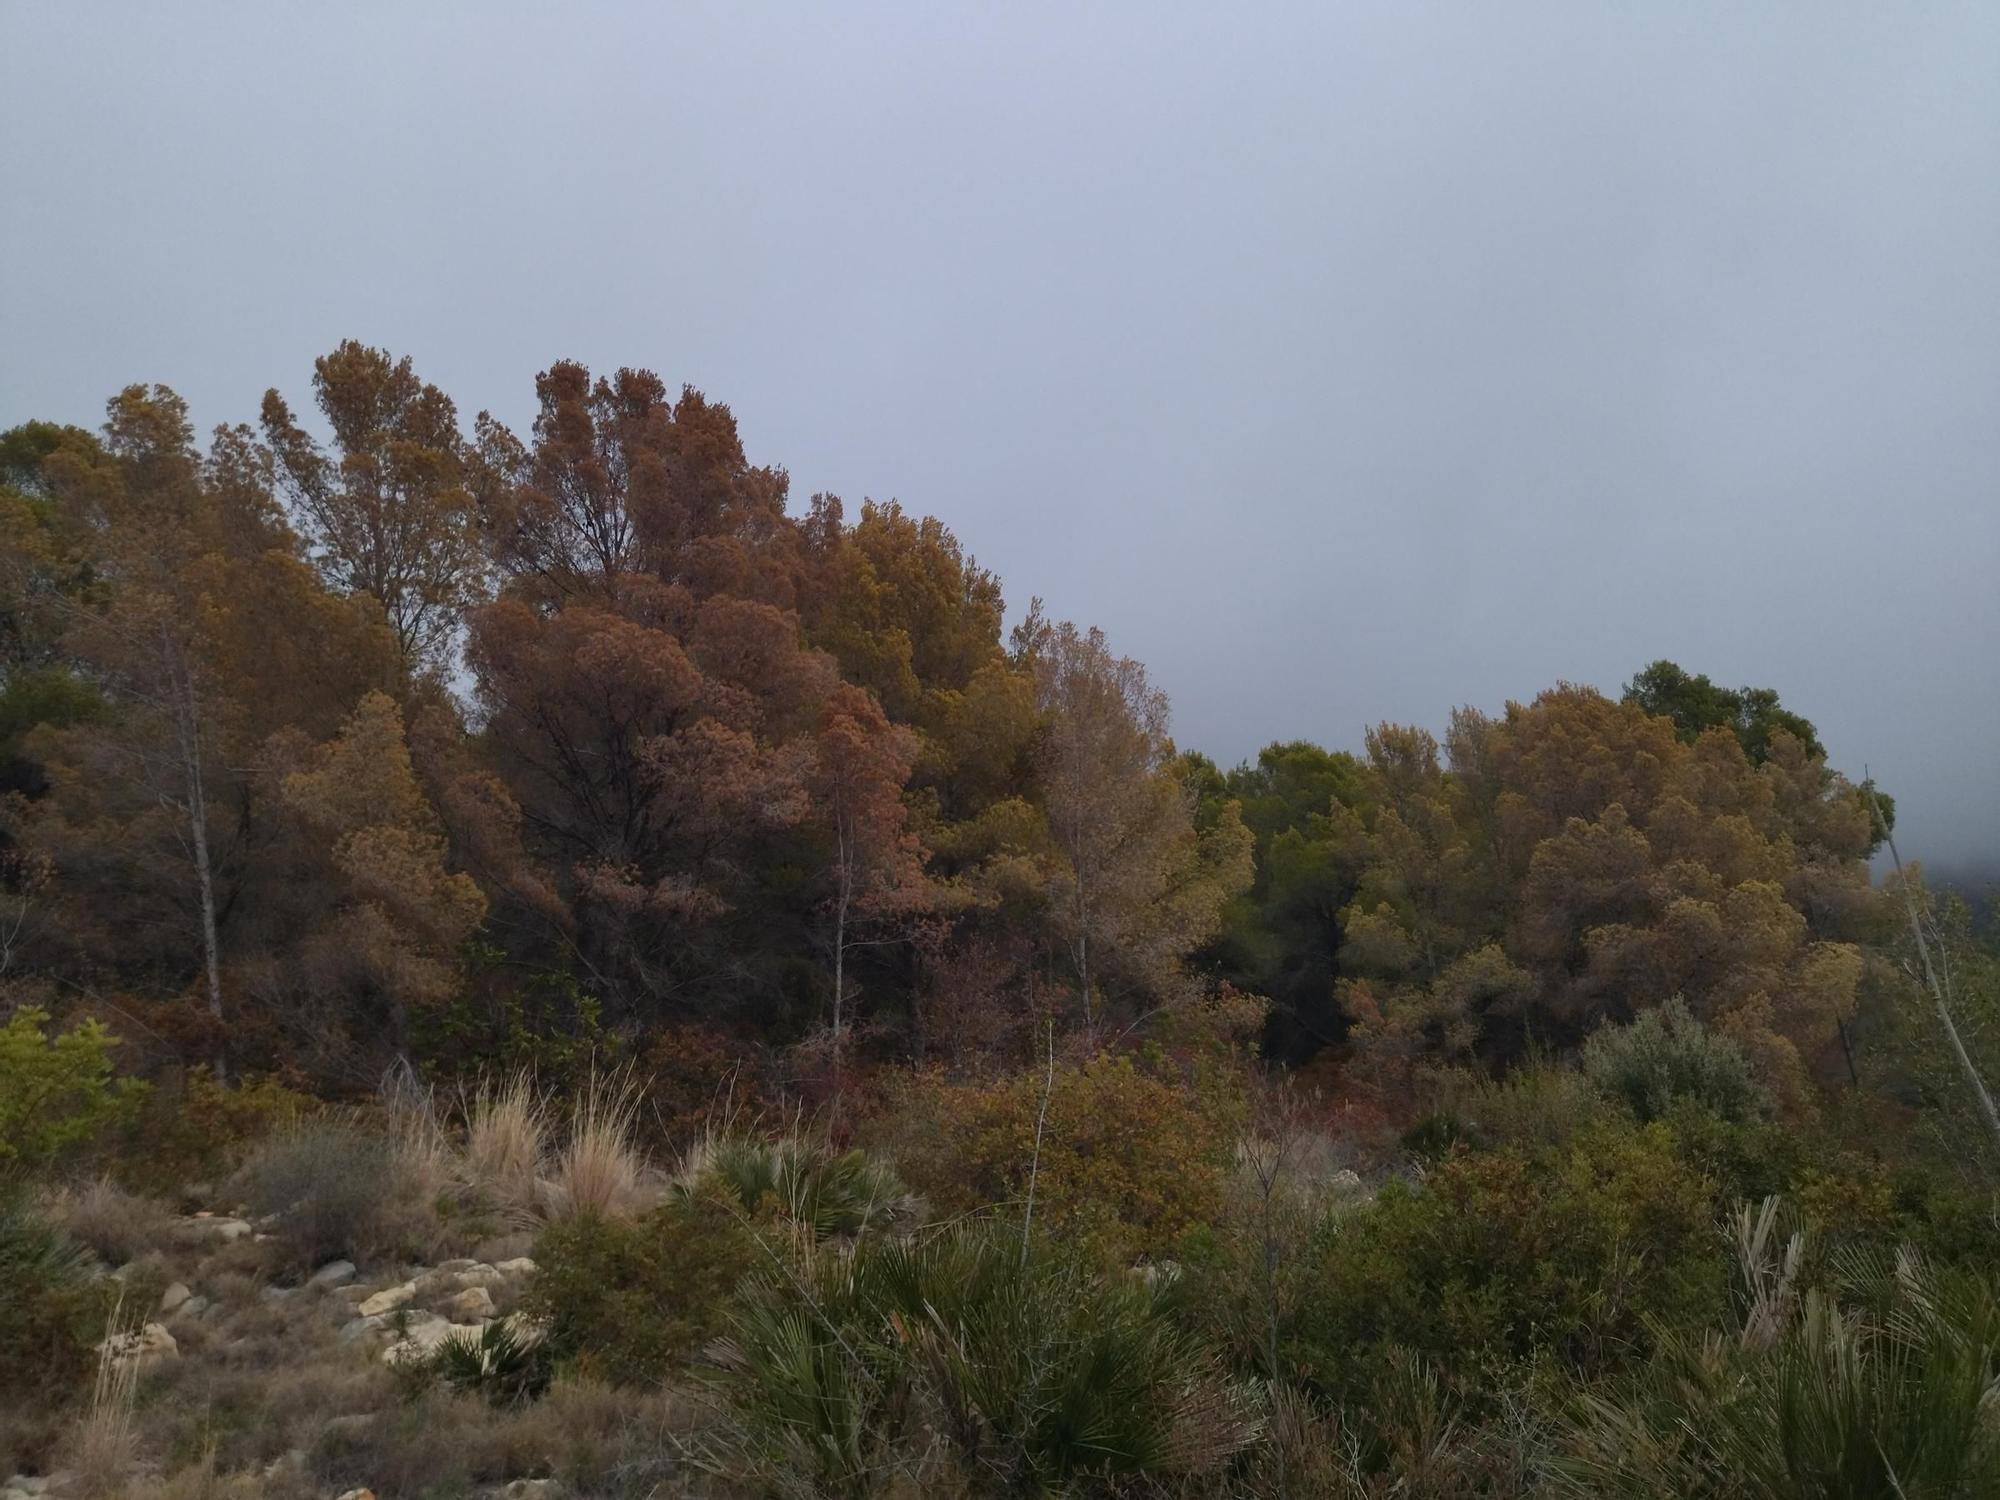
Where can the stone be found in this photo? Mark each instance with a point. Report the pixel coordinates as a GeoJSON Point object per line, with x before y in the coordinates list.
{"type": "Point", "coordinates": [194, 1307]}
{"type": "Point", "coordinates": [422, 1335]}
{"type": "Point", "coordinates": [361, 1328]}
{"type": "Point", "coordinates": [442, 1283]}
{"type": "Point", "coordinates": [388, 1300]}
{"type": "Point", "coordinates": [473, 1302]}
{"type": "Point", "coordinates": [333, 1273]}
{"type": "Point", "coordinates": [149, 1345]}
{"type": "Point", "coordinates": [356, 1495]}
{"type": "Point", "coordinates": [279, 1293]}
{"type": "Point", "coordinates": [175, 1297]}
{"type": "Point", "coordinates": [227, 1230]}
{"type": "Point", "coordinates": [292, 1459]}
{"type": "Point", "coordinates": [520, 1265]}
{"type": "Point", "coordinates": [447, 1267]}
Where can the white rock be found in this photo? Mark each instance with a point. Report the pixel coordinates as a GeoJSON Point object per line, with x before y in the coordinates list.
{"type": "Point", "coordinates": [520, 1265]}
{"type": "Point", "coordinates": [442, 1283]}
{"type": "Point", "coordinates": [194, 1307]}
{"type": "Point", "coordinates": [333, 1273]}
{"type": "Point", "coordinates": [388, 1300]}
{"type": "Point", "coordinates": [448, 1266]}
{"type": "Point", "coordinates": [473, 1302]}
{"type": "Point", "coordinates": [226, 1230]}
{"type": "Point", "coordinates": [175, 1296]}
{"type": "Point", "coordinates": [149, 1345]}
{"type": "Point", "coordinates": [423, 1334]}
{"type": "Point", "coordinates": [357, 1495]}
{"type": "Point", "coordinates": [361, 1328]}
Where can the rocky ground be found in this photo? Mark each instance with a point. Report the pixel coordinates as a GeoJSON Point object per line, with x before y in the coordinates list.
{"type": "Point", "coordinates": [246, 1379]}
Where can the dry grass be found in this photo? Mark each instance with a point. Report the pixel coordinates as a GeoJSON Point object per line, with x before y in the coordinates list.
{"type": "Point", "coordinates": [506, 1142]}
{"type": "Point", "coordinates": [592, 1439]}
{"type": "Point", "coordinates": [104, 1444]}
{"type": "Point", "coordinates": [599, 1170]}
{"type": "Point", "coordinates": [417, 1139]}
{"type": "Point", "coordinates": [117, 1225]}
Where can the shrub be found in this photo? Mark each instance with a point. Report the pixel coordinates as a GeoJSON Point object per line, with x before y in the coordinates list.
{"type": "Point", "coordinates": [629, 1301]}
{"type": "Point", "coordinates": [52, 1310]}
{"type": "Point", "coordinates": [1128, 1162]}
{"type": "Point", "coordinates": [57, 1092]}
{"type": "Point", "coordinates": [802, 1184]}
{"type": "Point", "coordinates": [1667, 1056]}
{"type": "Point", "coordinates": [1498, 1257]}
{"type": "Point", "coordinates": [1033, 1371]}
{"type": "Point", "coordinates": [504, 1365]}
{"type": "Point", "coordinates": [193, 1128]}
{"type": "Point", "coordinates": [337, 1190]}
{"type": "Point", "coordinates": [116, 1225]}
{"type": "Point", "coordinates": [1534, 1107]}
{"type": "Point", "coordinates": [1878, 1384]}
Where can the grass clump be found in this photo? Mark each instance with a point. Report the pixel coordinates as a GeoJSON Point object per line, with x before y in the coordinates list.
{"type": "Point", "coordinates": [337, 1190]}
{"type": "Point", "coordinates": [52, 1309]}
{"type": "Point", "coordinates": [957, 1360]}
{"type": "Point", "coordinates": [599, 1171]}
{"type": "Point", "coordinates": [801, 1184]}
{"type": "Point", "coordinates": [506, 1142]}
{"type": "Point", "coordinates": [1884, 1380]}
{"type": "Point", "coordinates": [505, 1365]}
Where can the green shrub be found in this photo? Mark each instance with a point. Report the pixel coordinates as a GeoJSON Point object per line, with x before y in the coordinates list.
{"type": "Point", "coordinates": [1129, 1160]}
{"type": "Point", "coordinates": [194, 1129]}
{"type": "Point", "coordinates": [800, 1183]}
{"type": "Point", "coordinates": [1034, 1372]}
{"type": "Point", "coordinates": [1535, 1106]}
{"type": "Point", "coordinates": [504, 1365]}
{"type": "Point", "coordinates": [336, 1190]}
{"type": "Point", "coordinates": [630, 1301]}
{"type": "Point", "coordinates": [1879, 1384]}
{"type": "Point", "coordinates": [52, 1309]}
{"type": "Point", "coordinates": [57, 1092]}
{"type": "Point", "coordinates": [1438, 1134]}
{"type": "Point", "coordinates": [1667, 1056]}
{"type": "Point", "coordinates": [1499, 1258]}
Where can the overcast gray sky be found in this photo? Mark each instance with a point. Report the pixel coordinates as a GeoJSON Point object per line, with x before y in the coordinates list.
{"type": "Point", "coordinates": [1343, 362]}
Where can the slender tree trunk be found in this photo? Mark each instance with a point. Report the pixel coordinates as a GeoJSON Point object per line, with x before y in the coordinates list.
{"type": "Point", "coordinates": [187, 725]}
{"type": "Point", "coordinates": [1035, 1161]}
{"type": "Point", "coordinates": [1082, 945]}
{"type": "Point", "coordinates": [1939, 987]}
{"type": "Point", "coordinates": [844, 894]}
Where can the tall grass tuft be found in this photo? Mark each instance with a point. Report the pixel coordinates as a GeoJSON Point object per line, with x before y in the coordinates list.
{"type": "Point", "coordinates": [599, 1171]}
{"type": "Point", "coordinates": [423, 1153]}
{"type": "Point", "coordinates": [104, 1444]}
{"type": "Point", "coordinates": [506, 1143]}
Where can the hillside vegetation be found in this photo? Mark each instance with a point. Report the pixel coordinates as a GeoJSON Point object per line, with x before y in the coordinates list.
{"type": "Point", "coordinates": [531, 964]}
